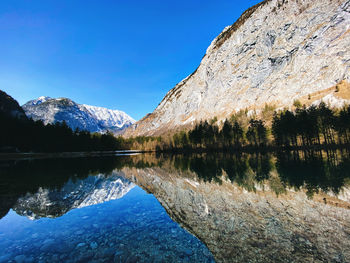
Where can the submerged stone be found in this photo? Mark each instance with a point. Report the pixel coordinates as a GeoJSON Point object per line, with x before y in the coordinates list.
{"type": "Point", "coordinates": [93, 245]}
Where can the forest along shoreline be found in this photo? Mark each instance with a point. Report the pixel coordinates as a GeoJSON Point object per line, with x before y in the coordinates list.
{"type": "Point", "coordinates": [300, 128]}
{"type": "Point", "coordinates": [313, 128]}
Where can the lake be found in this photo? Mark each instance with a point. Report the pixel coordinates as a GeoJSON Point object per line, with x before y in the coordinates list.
{"type": "Point", "coordinates": [271, 207]}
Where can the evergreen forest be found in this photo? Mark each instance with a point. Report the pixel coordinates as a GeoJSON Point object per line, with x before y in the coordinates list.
{"type": "Point", "coordinates": [316, 126]}
{"type": "Point", "coordinates": [303, 128]}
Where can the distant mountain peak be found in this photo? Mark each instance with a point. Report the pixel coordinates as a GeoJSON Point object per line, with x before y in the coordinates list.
{"type": "Point", "coordinates": [39, 100]}
{"type": "Point", "coordinates": [81, 116]}
{"type": "Point", "coordinates": [43, 98]}
{"type": "Point", "coordinates": [109, 117]}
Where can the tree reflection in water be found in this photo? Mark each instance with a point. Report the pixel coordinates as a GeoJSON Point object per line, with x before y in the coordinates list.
{"type": "Point", "coordinates": [313, 170]}
{"type": "Point", "coordinates": [242, 206]}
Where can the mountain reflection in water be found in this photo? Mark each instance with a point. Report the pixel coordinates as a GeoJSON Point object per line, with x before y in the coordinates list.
{"type": "Point", "coordinates": [283, 207]}
{"type": "Point", "coordinates": [116, 221]}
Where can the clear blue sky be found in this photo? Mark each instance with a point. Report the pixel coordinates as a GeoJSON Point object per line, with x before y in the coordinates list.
{"type": "Point", "coordinates": [117, 54]}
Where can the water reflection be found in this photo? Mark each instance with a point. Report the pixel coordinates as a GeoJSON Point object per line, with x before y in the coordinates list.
{"type": "Point", "coordinates": [116, 221]}
{"type": "Point", "coordinates": [326, 171]}
{"type": "Point", "coordinates": [283, 207]}
{"type": "Point", "coordinates": [311, 171]}
{"type": "Point", "coordinates": [73, 194]}
{"type": "Point", "coordinates": [19, 178]}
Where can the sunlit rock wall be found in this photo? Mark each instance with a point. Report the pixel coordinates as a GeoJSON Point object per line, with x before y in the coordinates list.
{"type": "Point", "coordinates": [277, 52]}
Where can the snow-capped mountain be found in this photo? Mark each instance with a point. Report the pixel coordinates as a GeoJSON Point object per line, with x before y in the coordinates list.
{"type": "Point", "coordinates": [74, 194]}
{"type": "Point", "coordinates": [111, 119]}
{"type": "Point", "coordinates": [38, 101]}
{"type": "Point", "coordinates": [81, 116]}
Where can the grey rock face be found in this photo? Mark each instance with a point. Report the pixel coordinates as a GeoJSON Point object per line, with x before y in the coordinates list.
{"type": "Point", "coordinates": [277, 52]}
{"type": "Point", "coordinates": [241, 226]}
{"type": "Point", "coordinates": [83, 117]}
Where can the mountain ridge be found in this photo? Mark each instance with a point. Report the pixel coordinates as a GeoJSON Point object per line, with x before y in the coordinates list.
{"type": "Point", "coordinates": [10, 107]}
{"type": "Point", "coordinates": [275, 53]}
{"type": "Point", "coordinates": [81, 116]}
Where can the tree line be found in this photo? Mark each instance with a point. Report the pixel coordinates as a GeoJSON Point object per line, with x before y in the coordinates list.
{"type": "Point", "coordinates": [305, 127]}
{"type": "Point", "coordinates": [33, 136]}
{"type": "Point", "coordinates": [315, 125]}
{"type": "Point", "coordinates": [27, 135]}
{"type": "Point", "coordinates": [231, 135]}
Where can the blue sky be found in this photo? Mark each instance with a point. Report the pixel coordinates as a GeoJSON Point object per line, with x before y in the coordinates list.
{"type": "Point", "coordinates": [117, 54]}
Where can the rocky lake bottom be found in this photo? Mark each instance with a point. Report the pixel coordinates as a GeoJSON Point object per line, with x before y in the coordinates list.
{"type": "Point", "coordinates": [134, 228]}
{"type": "Point", "coordinates": [200, 208]}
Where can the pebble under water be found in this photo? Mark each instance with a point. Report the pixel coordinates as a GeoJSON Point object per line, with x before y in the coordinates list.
{"type": "Point", "coordinates": [134, 228]}
{"type": "Point", "coordinates": [261, 207]}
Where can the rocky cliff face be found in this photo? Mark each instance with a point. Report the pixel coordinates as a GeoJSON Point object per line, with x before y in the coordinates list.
{"type": "Point", "coordinates": [257, 226]}
{"type": "Point", "coordinates": [84, 117]}
{"type": "Point", "coordinates": [277, 52]}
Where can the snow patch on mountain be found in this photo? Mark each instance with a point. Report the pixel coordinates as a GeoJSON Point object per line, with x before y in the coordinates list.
{"type": "Point", "coordinates": [77, 116]}
{"type": "Point", "coordinates": [39, 100]}
{"type": "Point", "coordinates": [109, 118]}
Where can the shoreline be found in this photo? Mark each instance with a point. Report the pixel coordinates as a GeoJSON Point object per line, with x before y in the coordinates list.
{"type": "Point", "coordinates": [30, 155]}
{"type": "Point", "coordinates": [246, 149]}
